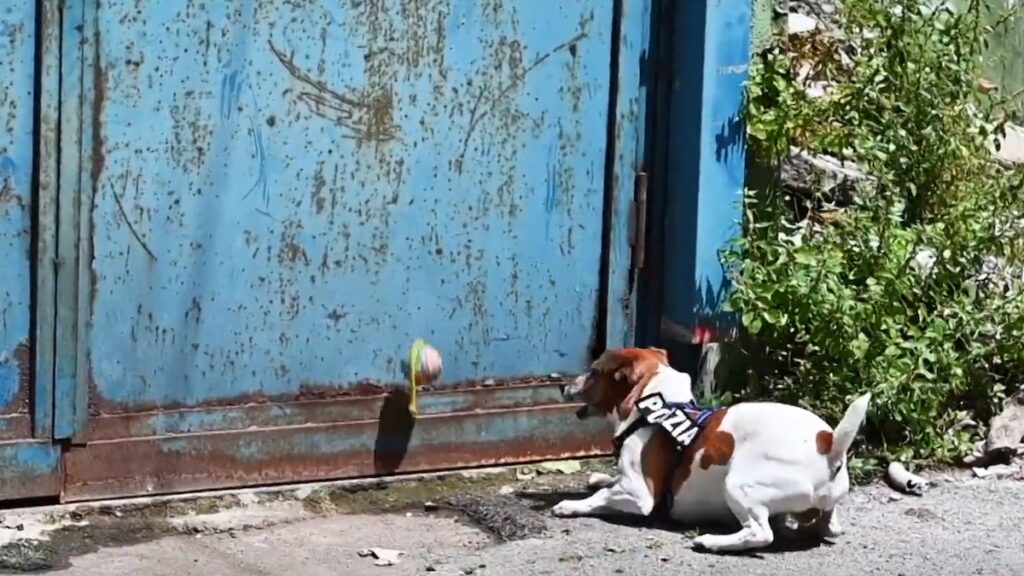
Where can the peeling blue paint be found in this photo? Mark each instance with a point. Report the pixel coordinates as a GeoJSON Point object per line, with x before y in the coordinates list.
{"type": "Point", "coordinates": [396, 189]}
{"type": "Point", "coordinates": [17, 91]}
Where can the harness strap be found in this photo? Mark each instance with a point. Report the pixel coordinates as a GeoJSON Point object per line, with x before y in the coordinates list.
{"type": "Point", "coordinates": [654, 410]}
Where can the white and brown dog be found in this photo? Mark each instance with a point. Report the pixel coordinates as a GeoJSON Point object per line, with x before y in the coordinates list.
{"type": "Point", "coordinates": [752, 462]}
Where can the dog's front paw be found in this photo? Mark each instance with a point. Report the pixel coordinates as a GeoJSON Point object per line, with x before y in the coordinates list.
{"type": "Point", "coordinates": [600, 480]}
{"type": "Point", "coordinates": [706, 542]}
{"type": "Point", "coordinates": [565, 509]}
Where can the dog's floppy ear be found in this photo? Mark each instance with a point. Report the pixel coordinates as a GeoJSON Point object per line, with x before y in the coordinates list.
{"type": "Point", "coordinates": [610, 361]}
{"type": "Point", "coordinates": [631, 365]}
{"type": "Point", "coordinates": [630, 370]}
{"type": "Point", "coordinates": [662, 354]}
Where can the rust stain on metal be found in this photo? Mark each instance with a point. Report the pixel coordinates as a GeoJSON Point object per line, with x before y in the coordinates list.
{"type": "Point", "coordinates": [9, 196]}
{"type": "Point", "coordinates": [486, 98]}
{"type": "Point", "coordinates": [22, 356]}
{"type": "Point", "coordinates": [291, 251]}
{"type": "Point", "coordinates": [369, 117]}
{"type": "Point", "coordinates": [312, 411]}
{"type": "Point", "coordinates": [17, 422]}
{"type": "Point", "coordinates": [99, 96]}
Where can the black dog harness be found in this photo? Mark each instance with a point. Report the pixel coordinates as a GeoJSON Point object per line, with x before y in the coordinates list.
{"type": "Point", "coordinates": [684, 422]}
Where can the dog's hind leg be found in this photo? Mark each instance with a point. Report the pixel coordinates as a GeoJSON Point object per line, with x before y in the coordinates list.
{"type": "Point", "coordinates": [753, 496]}
{"type": "Point", "coordinates": [747, 503]}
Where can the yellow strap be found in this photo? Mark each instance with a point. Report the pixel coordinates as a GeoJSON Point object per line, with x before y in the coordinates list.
{"type": "Point", "coordinates": [414, 369]}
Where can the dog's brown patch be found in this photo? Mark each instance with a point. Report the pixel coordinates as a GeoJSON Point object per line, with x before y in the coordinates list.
{"type": "Point", "coordinates": [823, 442]}
{"type": "Point", "coordinates": [717, 445]}
{"type": "Point", "coordinates": [656, 461]}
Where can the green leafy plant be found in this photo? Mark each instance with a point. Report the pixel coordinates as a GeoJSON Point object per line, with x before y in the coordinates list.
{"type": "Point", "coordinates": [884, 289]}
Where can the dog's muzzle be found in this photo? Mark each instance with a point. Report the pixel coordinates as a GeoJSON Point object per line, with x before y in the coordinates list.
{"type": "Point", "coordinates": [583, 412]}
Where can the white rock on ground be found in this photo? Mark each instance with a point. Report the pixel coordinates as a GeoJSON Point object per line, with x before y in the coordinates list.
{"type": "Point", "coordinates": [800, 24]}
{"type": "Point", "coordinates": [1011, 149]}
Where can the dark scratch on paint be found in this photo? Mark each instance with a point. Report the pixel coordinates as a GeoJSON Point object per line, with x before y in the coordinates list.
{"type": "Point", "coordinates": [127, 221]}
{"type": "Point", "coordinates": [369, 119]}
{"type": "Point", "coordinates": [476, 114]}
{"type": "Point", "coordinates": [260, 150]}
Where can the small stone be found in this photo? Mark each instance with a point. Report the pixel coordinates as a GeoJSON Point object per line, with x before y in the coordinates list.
{"type": "Point", "coordinates": [800, 24]}
{"type": "Point", "coordinates": [20, 527]}
{"type": "Point", "coordinates": [429, 506]}
{"type": "Point", "coordinates": [663, 558]}
{"type": "Point", "coordinates": [233, 534]}
{"type": "Point", "coordinates": [895, 497]}
{"type": "Point", "coordinates": [506, 490]}
{"type": "Point", "coordinates": [430, 568]}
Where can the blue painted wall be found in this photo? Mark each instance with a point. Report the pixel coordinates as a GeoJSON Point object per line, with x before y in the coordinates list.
{"type": "Point", "coordinates": [276, 201]}
{"type": "Point", "coordinates": [705, 165]}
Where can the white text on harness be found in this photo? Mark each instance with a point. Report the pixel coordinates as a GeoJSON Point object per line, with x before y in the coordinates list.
{"type": "Point", "coordinates": [673, 419]}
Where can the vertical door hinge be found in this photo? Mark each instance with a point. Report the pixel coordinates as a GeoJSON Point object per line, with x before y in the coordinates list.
{"type": "Point", "coordinates": [638, 220]}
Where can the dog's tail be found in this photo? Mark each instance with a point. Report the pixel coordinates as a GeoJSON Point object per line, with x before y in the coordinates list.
{"type": "Point", "coordinates": [846, 430]}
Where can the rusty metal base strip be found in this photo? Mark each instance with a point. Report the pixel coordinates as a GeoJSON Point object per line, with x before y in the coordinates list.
{"type": "Point", "coordinates": [397, 444]}
{"type": "Point", "coordinates": [29, 469]}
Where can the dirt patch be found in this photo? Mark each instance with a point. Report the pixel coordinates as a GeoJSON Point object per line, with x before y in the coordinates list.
{"type": "Point", "coordinates": [413, 495]}
{"type": "Point", "coordinates": [69, 541]}
{"type": "Point", "coordinates": [506, 518]}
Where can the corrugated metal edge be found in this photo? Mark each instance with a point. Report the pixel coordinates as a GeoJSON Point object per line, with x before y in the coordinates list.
{"type": "Point", "coordinates": [396, 444]}
{"type": "Point", "coordinates": [70, 412]}
{"type": "Point", "coordinates": [45, 233]}
{"type": "Point", "coordinates": [627, 140]}
{"type": "Point", "coordinates": [209, 419]}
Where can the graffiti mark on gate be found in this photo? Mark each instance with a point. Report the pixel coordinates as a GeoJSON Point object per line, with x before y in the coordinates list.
{"type": "Point", "coordinates": [367, 118]}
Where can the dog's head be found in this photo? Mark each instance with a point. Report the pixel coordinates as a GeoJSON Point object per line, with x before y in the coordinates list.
{"type": "Point", "coordinates": [615, 381]}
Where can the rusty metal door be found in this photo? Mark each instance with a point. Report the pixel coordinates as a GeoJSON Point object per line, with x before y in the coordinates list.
{"type": "Point", "coordinates": [29, 462]}
{"type": "Point", "coordinates": [275, 198]}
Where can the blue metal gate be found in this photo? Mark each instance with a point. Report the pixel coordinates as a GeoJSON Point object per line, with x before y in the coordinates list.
{"type": "Point", "coordinates": [30, 462]}
{"type": "Point", "coordinates": [271, 200]}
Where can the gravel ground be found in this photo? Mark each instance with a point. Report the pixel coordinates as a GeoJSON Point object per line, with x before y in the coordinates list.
{"type": "Point", "coordinates": [959, 527]}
